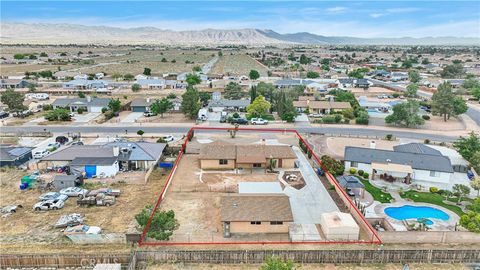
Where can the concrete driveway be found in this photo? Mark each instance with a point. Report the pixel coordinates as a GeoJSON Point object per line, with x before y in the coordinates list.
{"type": "Point", "coordinates": [85, 117]}
{"type": "Point", "coordinates": [132, 117]}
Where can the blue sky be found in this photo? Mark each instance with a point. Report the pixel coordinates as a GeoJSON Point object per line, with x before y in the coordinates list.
{"type": "Point", "coordinates": [339, 18]}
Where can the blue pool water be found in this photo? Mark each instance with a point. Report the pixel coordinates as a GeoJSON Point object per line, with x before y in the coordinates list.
{"type": "Point", "coordinates": [418, 212]}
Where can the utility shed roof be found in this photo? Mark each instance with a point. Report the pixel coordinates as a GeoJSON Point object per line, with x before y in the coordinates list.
{"type": "Point", "coordinates": [259, 207]}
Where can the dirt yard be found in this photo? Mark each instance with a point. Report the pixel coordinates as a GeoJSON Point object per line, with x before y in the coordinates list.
{"type": "Point", "coordinates": [238, 64]}
{"type": "Point", "coordinates": [335, 146]}
{"type": "Point", "coordinates": [228, 182]}
{"type": "Point", "coordinates": [115, 219]}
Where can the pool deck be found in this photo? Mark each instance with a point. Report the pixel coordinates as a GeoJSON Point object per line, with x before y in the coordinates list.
{"type": "Point", "coordinates": [399, 225]}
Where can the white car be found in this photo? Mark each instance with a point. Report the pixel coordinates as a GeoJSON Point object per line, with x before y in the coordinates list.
{"type": "Point", "coordinates": [52, 196]}
{"type": "Point", "coordinates": [168, 138]}
{"type": "Point", "coordinates": [74, 192]}
{"type": "Point", "coordinates": [49, 205]}
{"type": "Point", "coordinates": [82, 229]}
{"type": "Point", "coordinates": [40, 154]}
{"type": "Point", "coordinates": [53, 144]}
{"type": "Point", "coordinates": [258, 121]}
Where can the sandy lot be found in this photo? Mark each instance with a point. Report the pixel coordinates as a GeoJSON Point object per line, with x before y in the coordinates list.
{"type": "Point", "coordinates": [335, 146]}
{"type": "Point", "coordinates": [238, 64]}
{"type": "Point", "coordinates": [371, 91]}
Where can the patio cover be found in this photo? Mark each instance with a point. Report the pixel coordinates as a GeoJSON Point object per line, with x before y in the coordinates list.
{"type": "Point", "coordinates": [391, 167]}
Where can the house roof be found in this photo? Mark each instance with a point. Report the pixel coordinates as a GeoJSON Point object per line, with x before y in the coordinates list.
{"type": "Point", "coordinates": [315, 104]}
{"type": "Point", "coordinates": [13, 152]}
{"type": "Point", "coordinates": [101, 161]}
{"type": "Point", "coordinates": [292, 82]}
{"type": "Point", "coordinates": [138, 150]}
{"type": "Point", "coordinates": [229, 103]}
{"type": "Point", "coordinates": [142, 102]}
{"type": "Point", "coordinates": [150, 81]}
{"type": "Point", "coordinates": [264, 207]}
{"type": "Point", "coordinates": [85, 82]}
{"type": "Point", "coordinates": [415, 160]}
{"type": "Point", "coordinates": [350, 181]}
{"type": "Point", "coordinates": [418, 148]}
{"type": "Point", "coordinates": [97, 102]}
{"type": "Point", "coordinates": [246, 153]}
{"type": "Point", "coordinates": [74, 151]}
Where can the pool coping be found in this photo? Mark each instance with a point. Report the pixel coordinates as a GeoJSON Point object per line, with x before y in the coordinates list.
{"type": "Point", "coordinates": [439, 225]}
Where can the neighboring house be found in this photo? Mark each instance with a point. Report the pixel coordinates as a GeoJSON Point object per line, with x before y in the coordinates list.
{"type": "Point", "coordinates": [456, 83]}
{"type": "Point", "coordinates": [141, 77]}
{"type": "Point", "coordinates": [182, 77]}
{"type": "Point", "coordinates": [13, 83]}
{"type": "Point", "coordinates": [216, 96]}
{"type": "Point", "coordinates": [260, 213]}
{"type": "Point", "coordinates": [226, 156]}
{"type": "Point", "coordinates": [379, 73]}
{"type": "Point", "coordinates": [346, 82]}
{"type": "Point", "coordinates": [398, 76]}
{"type": "Point", "coordinates": [14, 155]}
{"type": "Point", "coordinates": [369, 104]}
{"type": "Point", "coordinates": [285, 83]}
{"type": "Point", "coordinates": [107, 159]}
{"type": "Point", "coordinates": [80, 77]}
{"type": "Point", "coordinates": [410, 164]}
{"type": "Point", "coordinates": [229, 104]}
{"type": "Point", "coordinates": [141, 104]}
{"type": "Point", "coordinates": [151, 83]}
{"type": "Point", "coordinates": [320, 107]}
{"type": "Point", "coordinates": [89, 104]}
{"type": "Point", "coordinates": [84, 84]}
{"type": "Point", "coordinates": [361, 83]}
{"type": "Point", "coordinates": [317, 87]}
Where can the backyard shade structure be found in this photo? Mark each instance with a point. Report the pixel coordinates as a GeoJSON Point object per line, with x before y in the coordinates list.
{"type": "Point", "coordinates": [392, 168]}
{"type": "Point", "coordinates": [259, 213]}
{"type": "Point", "coordinates": [339, 226]}
{"type": "Point", "coordinates": [353, 183]}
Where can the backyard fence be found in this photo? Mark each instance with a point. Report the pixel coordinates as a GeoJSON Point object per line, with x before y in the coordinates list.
{"type": "Point", "coordinates": [61, 260]}
{"type": "Point", "coordinates": [26, 134]}
{"type": "Point", "coordinates": [430, 237]}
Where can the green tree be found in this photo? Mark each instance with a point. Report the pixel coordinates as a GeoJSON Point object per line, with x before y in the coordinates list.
{"type": "Point", "coordinates": [43, 54]}
{"type": "Point", "coordinates": [253, 75]}
{"type": "Point", "coordinates": [274, 263]}
{"type": "Point", "coordinates": [284, 106]}
{"type": "Point", "coordinates": [196, 69]}
{"type": "Point", "coordinates": [453, 71]}
{"type": "Point", "coordinates": [460, 191]}
{"type": "Point", "coordinates": [358, 73]}
{"type": "Point", "coordinates": [471, 83]}
{"type": "Point", "coordinates": [116, 76]}
{"type": "Point", "coordinates": [193, 79]}
{"type": "Point", "coordinates": [414, 76]}
{"type": "Point", "coordinates": [128, 77]}
{"type": "Point", "coordinates": [411, 90]}
{"type": "Point", "coordinates": [190, 102]}
{"type": "Point", "coordinates": [233, 91]}
{"type": "Point", "coordinates": [476, 92]}
{"type": "Point", "coordinates": [334, 166]}
{"type": "Point", "coordinates": [59, 114]}
{"type": "Point", "coordinates": [405, 114]}
{"type": "Point", "coordinates": [468, 146]}
{"type": "Point", "coordinates": [18, 56]}
{"type": "Point", "coordinates": [32, 87]}
{"type": "Point", "coordinates": [114, 105]}
{"type": "Point", "coordinates": [475, 161]}
{"type": "Point", "coordinates": [267, 90]}
{"type": "Point", "coordinates": [136, 87]}
{"type": "Point", "coordinates": [163, 223]}
{"type": "Point", "coordinates": [258, 107]}
{"type": "Point", "coordinates": [13, 100]}
{"type": "Point", "coordinates": [304, 60]}
{"type": "Point", "coordinates": [442, 101]}
{"type": "Point", "coordinates": [161, 106]}
{"type": "Point", "coordinates": [147, 71]}
{"type": "Point", "coordinates": [140, 133]}
{"type": "Point", "coordinates": [475, 183]}
{"type": "Point", "coordinates": [459, 106]}
{"type": "Point", "coordinates": [253, 93]}
{"type": "Point", "coordinates": [312, 74]}
{"type": "Point", "coordinates": [204, 97]}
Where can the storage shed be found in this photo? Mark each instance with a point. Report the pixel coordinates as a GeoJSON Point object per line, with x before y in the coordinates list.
{"type": "Point", "coordinates": [65, 181]}
{"type": "Point", "coordinates": [339, 226]}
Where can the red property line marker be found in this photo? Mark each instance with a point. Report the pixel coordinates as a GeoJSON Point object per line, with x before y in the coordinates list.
{"type": "Point", "coordinates": [142, 242]}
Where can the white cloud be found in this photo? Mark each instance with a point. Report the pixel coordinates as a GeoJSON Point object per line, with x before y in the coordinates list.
{"type": "Point", "coordinates": [377, 15]}
{"type": "Point", "coordinates": [402, 10]}
{"type": "Point", "coordinates": [336, 10]}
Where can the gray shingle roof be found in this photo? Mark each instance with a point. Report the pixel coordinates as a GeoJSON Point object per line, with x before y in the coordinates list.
{"type": "Point", "coordinates": [98, 102]}
{"type": "Point", "coordinates": [350, 181]}
{"type": "Point", "coordinates": [13, 152]}
{"type": "Point", "coordinates": [71, 152]}
{"type": "Point", "coordinates": [230, 103]}
{"type": "Point", "coordinates": [418, 148]}
{"type": "Point", "coordinates": [93, 161]}
{"type": "Point", "coordinates": [141, 102]}
{"type": "Point", "coordinates": [415, 160]}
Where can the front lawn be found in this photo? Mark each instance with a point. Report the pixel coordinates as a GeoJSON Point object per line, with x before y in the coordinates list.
{"type": "Point", "coordinates": [377, 194]}
{"type": "Point", "coordinates": [433, 198]}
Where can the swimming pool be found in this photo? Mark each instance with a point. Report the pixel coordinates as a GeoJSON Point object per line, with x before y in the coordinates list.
{"type": "Point", "coordinates": [417, 212]}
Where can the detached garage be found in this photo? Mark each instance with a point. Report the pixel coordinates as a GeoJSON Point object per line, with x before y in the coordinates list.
{"type": "Point", "coordinates": [339, 226]}
{"type": "Point", "coordinates": [98, 167]}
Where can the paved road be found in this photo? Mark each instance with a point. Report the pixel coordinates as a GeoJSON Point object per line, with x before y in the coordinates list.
{"type": "Point", "coordinates": [474, 113]}
{"type": "Point", "coordinates": [354, 131]}
{"type": "Point", "coordinates": [400, 87]}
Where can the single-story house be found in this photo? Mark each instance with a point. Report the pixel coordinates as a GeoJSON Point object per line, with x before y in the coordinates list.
{"type": "Point", "coordinates": [107, 159]}
{"type": "Point", "coordinates": [398, 76]}
{"type": "Point", "coordinates": [285, 83]}
{"type": "Point", "coordinates": [370, 104]}
{"type": "Point", "coordinates": [227, 104]}
{"type": "Point", "coordinates": [346, 82]}
{"type": "Point", "coordinates": [151, 83]}
{"type": "Point", "coordinates": [182, 77]}
{"type": "Point", "coordinates": [379, 73]}
{"type": "Point", "coordinates": [141, 104]}
{"type": "Point", "coordinates": [80, 77]}
{"type": "Point", "coordinates": [323, 107]}
{"type": "Point", "coordinates": [89, 104]}
{"type": "Point", "coordinates": [408, 165]}
{"type": "Point", "coordinates": [14, 155]}
{"type": "Point", "coordinates": [353, 184]}
{"type": "Point", "coordinates": [456, 83]}
{"type": "Point", "coordinates": [83, 84]}
{"type": "Point", "coordinates": [222, 155]}
{"type": "Point", "coordinates": [317, 87]}
{"type": "Point", "coordinates": [260, 213]}
{"type": "Point", "coordinates": [361, 83]}
{"type": "Point", "coordinates": [13, 83]}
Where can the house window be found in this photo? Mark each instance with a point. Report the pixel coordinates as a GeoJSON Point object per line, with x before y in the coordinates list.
{"type": "Point", "coordinates": [276, 222]}
{"type": "Point", "coordinates": [433, 173]}
{"type": "Point", "coordinates": [354, 164]}
{"type": "Point", "coordinates": [223, 162]}
{"type": "Point", "coordinates": [255, 222]}
{"type": "Point", "coordinates": [257, 165]}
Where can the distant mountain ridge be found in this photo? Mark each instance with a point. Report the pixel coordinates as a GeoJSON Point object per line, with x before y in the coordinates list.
{"type": "Point", "coordinates": [45, 33]}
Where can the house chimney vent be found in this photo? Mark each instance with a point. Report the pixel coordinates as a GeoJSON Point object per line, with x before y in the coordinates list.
{"type": "Point", "coordinates": [373, 145]}
{"type": "Point", "coordinates": [116, 151]}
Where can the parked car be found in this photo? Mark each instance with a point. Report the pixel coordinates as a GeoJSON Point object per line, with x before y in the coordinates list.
{"type": "Point", "coordinates": [223, 119]}
{"type": "Point", "coordinates": [61, 139]}
{"type": "Point", "coordinates": [12, 208]}
{"type": "Point", "coordinates": [4, 115]}
{"type": "Point", "coordinates": [52, 196]}
{"type": "Point", "coordinates": [53, 145]}
{"type": "Point", "coordinates": [77, 143]}
{"type": "Point", "coordinates": [49, 205]}
{"type": "Point", "coordinates": [69, 220]}
{"type": "Point", "coordinates": [258, 121]}
{"type": "Point", "coordinates": [82, 229]}
{"type": "Point", "coordinates": [40, 154]}
{"type": "Point", "coordinates": [106, 191]}
{"type": "Point", "coordinates": [240, 121]}
{"type": "Point", "coordinates": [74, 192]}
{"type": "Point", "coordinates": [148, 114]}
{"type": "Point", "coordinates": [100, 199]}
{"type": "Point", "coordinates": [168, 138]}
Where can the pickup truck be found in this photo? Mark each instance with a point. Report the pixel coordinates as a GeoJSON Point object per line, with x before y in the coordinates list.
{"type": "Point", "coordinates": [106, 191]}
{"type": "Point", "coordinates": [100, 199]}
{"type": "Point", "coordinates": [258, 121]}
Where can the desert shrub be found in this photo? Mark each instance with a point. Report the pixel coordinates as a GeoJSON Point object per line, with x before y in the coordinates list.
{"type": "Point", "coordinates": [236, 115]}
{"type": "Point", "coordinates": [433, 189]}
{"type": "Point", "coordinates": [360, 172]}
{"type": "Point", "coordinates": [328, 119]}
{"type": "Point", "coordinates": [309, 153]}
{"type": "Point", "coordinates": [47, 107]}
{"type": "Point", "coordinates": [104, 110]}
{"type": "Point", "coordinates": [80, 110]}
{"type": "Point", "coordinates": [366, 175]}
{"type": "Point", "coordinates": [338, 118]}
{"type": "Point", "coordinates": [425, 117]}
{"type": "Point", "coordinates": [427, 141]}
{"type": "Point", "coordinates": [388, 137]}
{"type": "Point", "coordinates": [353, 170]}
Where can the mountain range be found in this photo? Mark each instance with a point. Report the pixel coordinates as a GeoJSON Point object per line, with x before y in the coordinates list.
{"type": "Point", "coordinates": [48, 33]}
